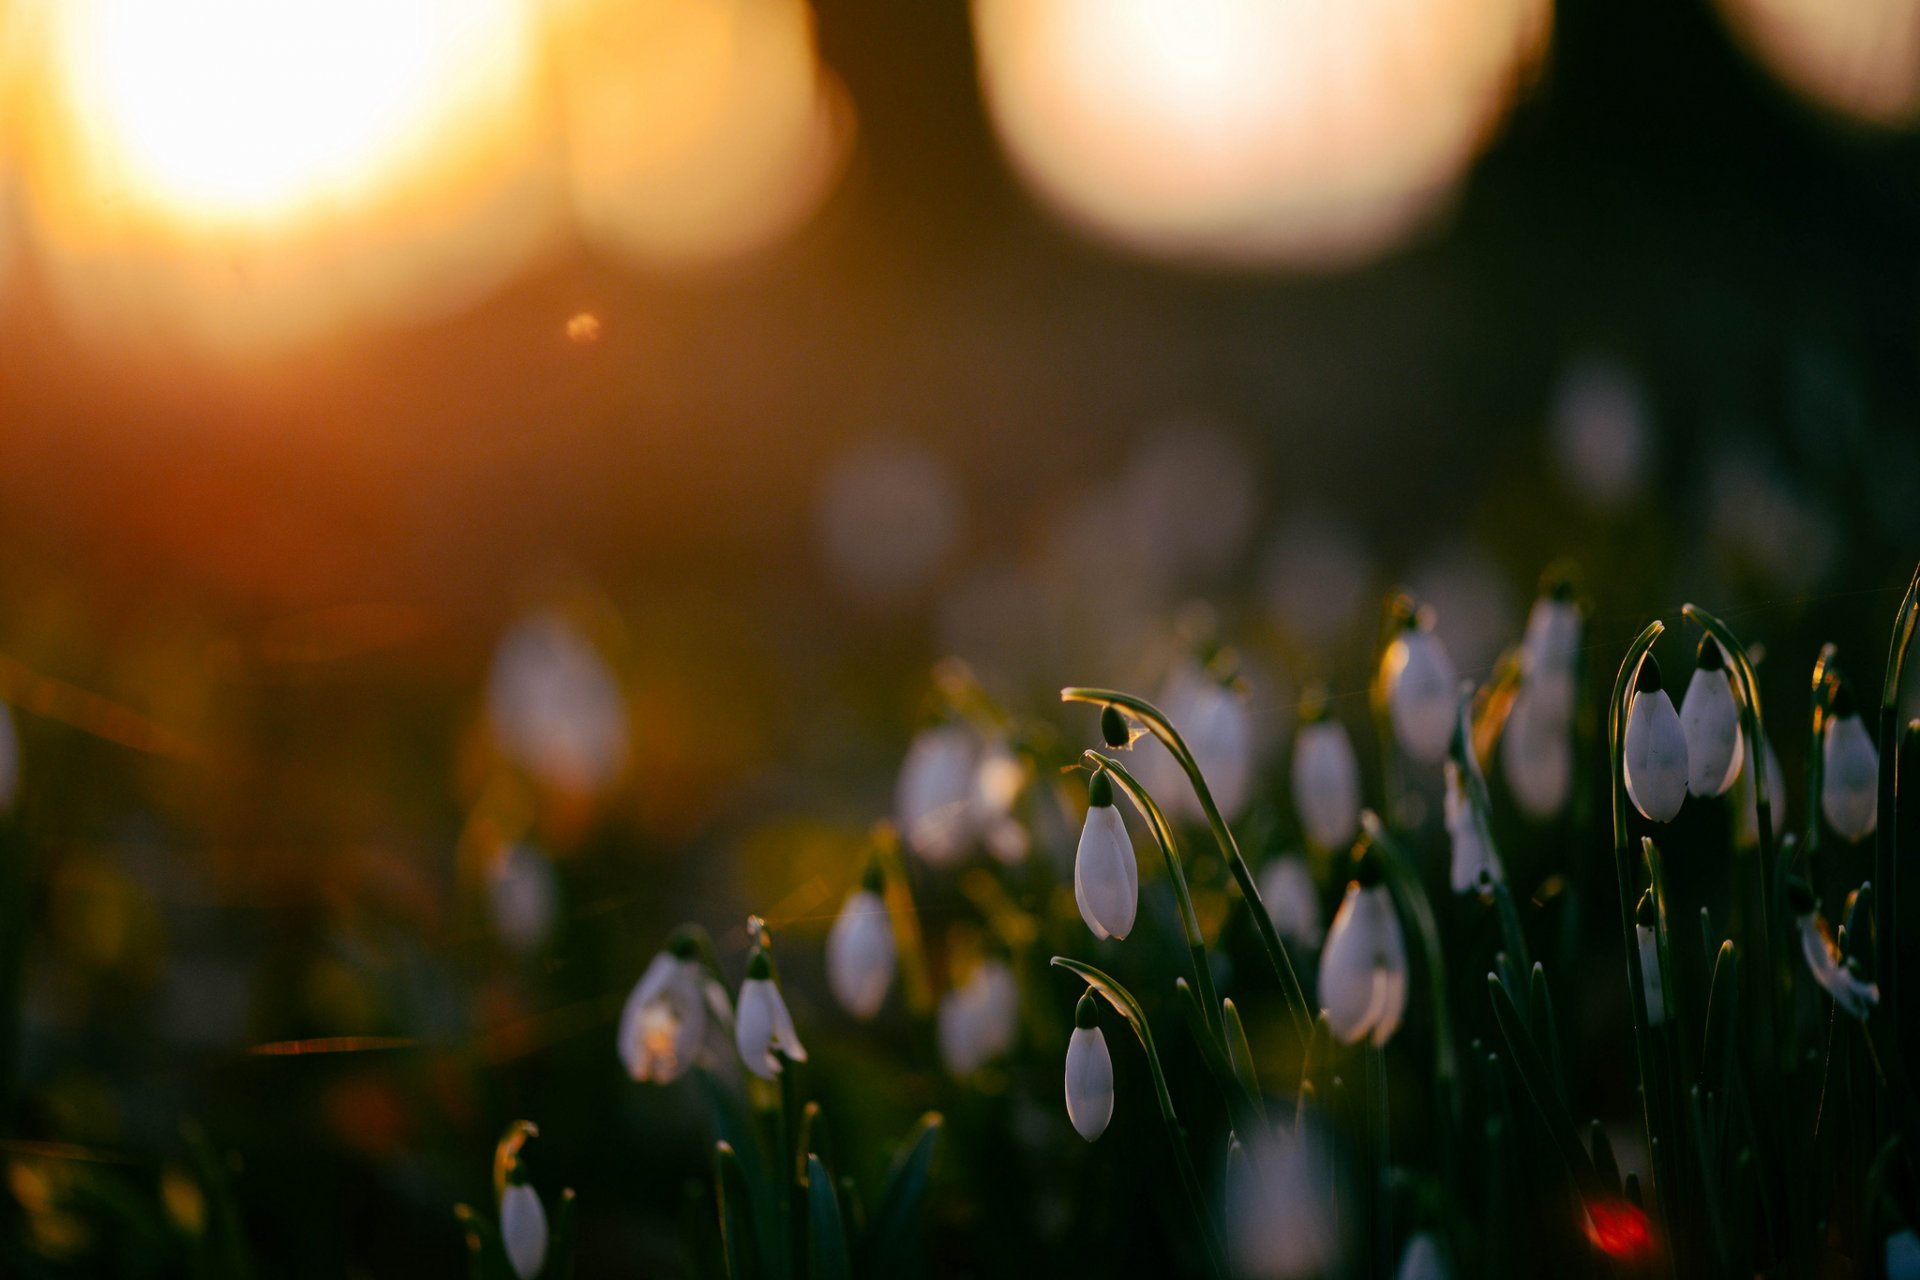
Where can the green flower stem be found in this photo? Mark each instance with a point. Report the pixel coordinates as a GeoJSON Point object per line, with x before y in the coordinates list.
{"type": "Point", "coordinates": [1886, 871]}
{"type": "Point", "coordinates": [1623, 686]}
{"type": "Point", "coordinates": [1666, 1043]}
{"type": "Point", "coordinates": [1825, 683]}
{"type": "Point", "coordinates": [1163, 836]}
{"type": "Point", "coordinates": [1122, 1000]}
{"type": "Point", "coordinates": [1161, 728]}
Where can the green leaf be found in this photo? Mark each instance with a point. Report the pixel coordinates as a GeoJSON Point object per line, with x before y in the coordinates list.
{"type": "Point", "coordinates": [565, 1238]}
{"type": "Point", "coordinates": [1533, 1073]}
{"type": "Point", "coordinates": [826, 1238]}
{"type": "Point", "coordinates": [891, 1246]}
{"type": "Point", "coordinates": [736, 1214]}
{"type": "Point", "coordinates": [1723, 1002]}
{"type": "Point", "coordinates": [1546, 1028]}
{"type": "Point", "coordinates": [1239, 1051]}
{"type": "Point", "coordinates": [1242, 1105]}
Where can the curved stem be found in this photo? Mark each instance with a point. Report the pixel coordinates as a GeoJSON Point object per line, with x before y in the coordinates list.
{"type": "Point", "coordinates": [1824, 684]}
{"type": "Point", "coordinates": [1190, 919]}
{"type": "Point", "coordinates": [1123, 1002]}
{"type": "Point", "coordinates": [1161, 728]}
{"type": "Point", "coordinates": [1886, 869]}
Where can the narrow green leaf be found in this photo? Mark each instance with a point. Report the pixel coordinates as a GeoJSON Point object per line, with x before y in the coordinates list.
{"type": "Point", "coordinates": [1546, 1028]}
{"type": "Point", "coordinates": [826, 1238]}
{"type": "Point", "coordinates": [736, 1214]}
{"type": "Point", "coordinates": [1240, 1052]}
{"type": "Point", "coordinates": [891, 1246]}
{"type": "Point", "coordinates": [1533, 1073]}
{"type": "Point", "coordinates": [1723, 1003]}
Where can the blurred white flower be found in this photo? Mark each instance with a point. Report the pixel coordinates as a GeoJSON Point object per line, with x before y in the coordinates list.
{"type": "Point", "coordinates": [1550, 650]}
{"type": "Point", "coordinates": [524, 896]}
{"type": "Point", "coordinates": [934, 798]}
{"type": "Point", "coordinates": [1475, 867]}
{"type": "Point", "coordinates": [1211, 718]}
{"type": "Point", "coordinates": [1317, 578]}
{"type": "Point", "coordinates": [762, 1026]}
{"type": "Point", "coordinates": [979, 1019]}
{"type": "Point", "coordinates": [1599, 431]}
{"type": "Point", "coordinates": [1710, 722]}
{"type": "Point", "coordinates": [9, 760]}
{"type": "Point", "coordinates": [555, 706]}
{"type": "Point", "coordinates": [1106, 880]}
{"type": "Point", "coordinates": [1421, 698]}
{"type": "Point", "coordinates": [1903, 1256]}
{"type": "Point", "coordinates": [999, 776]}
{"type": "Point", "coordinates": [1292, 901]}
{"type": "Point", "coordinates": [1326, 783]}
{"type": "Point", "coordinates": [1280, 1206]}
{"type": "Point", "coordinates": [1422, 1260]}
{"type": "Point", "coordinates": [1470, 599]}
{"type": "Point", "coordinates": [1363, 968]}
{"type": "Point", "coordinates": [677, 1015]}
{"type": "Point", "coordinates": [1850, 777]}
{"type": "Point", "coordinates": [1835, 975]}
{"type": "Point", "coordinates": [887, 517]}
{"type": "Point", "coordinates": [1656, 748]}
{"type": "Point", "coordinates": [861, 951]}
{"type": "Point", "coordinates": [523, 1227]}
{"type": "Point", "coordinates": [1089, 1073]}
{"type": "Point", "coordinates": [1536, 744]}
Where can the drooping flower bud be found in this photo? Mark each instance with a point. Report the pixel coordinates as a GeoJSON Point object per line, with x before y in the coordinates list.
{"type": "Point", "coordinates": [1113, 727]}
{"type": "Point", "coordinates": [1292, 901]}
{"type": "Point", "coordinates": [523, 1227]}
{"type": "Point", "coordinates": [1363, 968]}
{"type": "Point", "coordinates": [979, 1019]}
{"type": "Point", "coordinates": [1211, 718]}
{"type": "Point", "coordinates": [934, 797]}
{"type": "Point", "coordinates": [1475, 867]}
{"type": "Point", "coordinates": [1656, 748]}
{"type": "Point", "coordinates": [1326, 782]}
{"type": "Point", "coordinates": [1710, 722]}
{"type": "Point", "coordinates": [1106, 879]}
{"type": "Point", "coordinates": [762, 1025]}
{"type": "Point", "coordinates": [860, 949]}
{"type": "Point", "coordinates": [1647, 938]}
{"type": "Point", "coordinates": [555, 705]}
{"type": "Point", "coordinates": [676, 1016]}
{"type": "Point", "coordinates": [1089, 1073]}
{"type": "Point", "coordinates": [1850, 779]}
{"type": "Point", "coordinates": [1420, 691]}
{"type": "Point", "coordinates": [1837, 975]}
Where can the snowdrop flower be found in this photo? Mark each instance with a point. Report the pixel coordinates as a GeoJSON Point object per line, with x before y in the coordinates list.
{"type": "Point", "coordinates": [998, 779]}
{"type": "Point", "coordinates": [1710, 722]}
{"type": "Point", "coordinates": [1656, 754]}
{"type": "Point", "coordinates": [1646, 919]}
{"type": "Point", "coordinates": [979, 1018]}
{"type": "Point", "coordinates": [1475, 866]}
{"type": "Point", "coordinates": [555, 705]}
{"type": "Point", "coordinates": [1850, 781]}
{"type": "Point", "coordinates": [762, 1026]}
{"type": "Point", "coordinates": [1326, 781]}
{"type": "Point", "coordinates": [1279, 1206]}
{"type": "Point", "coordinates": [1422, 1260]}
{"type": "Point", "coordinates": [1550, 649]}
{"type": "Point", "coordinates": [1292, 901]}
{"type": "Point", "coordinates": [1903, 1256]}
{"type": "Point", "coordinates": [1420, 690]}
{"type": "Point", "coordinates": [1211, 718]}
{"type": "Point", "coordinates": [860, 949]}
{"type": "Point", "coordinates": [674, 1016]}
{"type": "Point", "coordinates": [1106, 880]}
{"type": "Point", "coordinates": [9, 760]}
{"type": "Point", "coordinates": [934, 798]}
{"type": "Point", "coordinates": [1749, 829]}
{"type": "Point", "coordinates": [523, 1224]}
{"type": "Point", "coordinates": [523, 896]}
{"type": "Point", "coordinates": [1836, 975]}
{"type": "Point", "coordinates": [1363, 969]}
{"type": "Point", "coordinates": [1536, 746]}
{"type": "Point", "coordinates": [1089, 1073]}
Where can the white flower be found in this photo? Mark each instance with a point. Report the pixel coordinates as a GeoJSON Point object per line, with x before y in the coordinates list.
{"type": "Point", "coordinates": [1106, 880]}
{"type": "Point", "coordinates": [1749, 804]}
{"type": "Point", "coordinates": [860, 951]}
{"type": "Point", "coordinates": [1292, 901]}
{"type": "Point", "coordinates": [1326, 783]}
{"type": "Point", "coordinates": [998, 779]}
{"type": "Point", "coordinates": [1363, 969]}
{"type": "Point", "coordinates": [523, 896]}
{"type": "Point", "coordinates": [1903, 1256]}
{"type": "Point", "coordinates": [1656, 754]}
{"type": "Point", "coordinates": [934, 798]}
{"type": "Point", "coordinates": [1850, 778]}
{"type": "Point", "coordinates": [1710, 722]}
{"type": "Point", "coordinates": [523, 1228]}
{"type": "Point", "coordinates": [979, 1018]}
{"type": "Point", "coordinates": [555, 705]}
{"type": "Point", "coordinates": [1536, 754]}
{"type": "Point", "coordinates": [1422, 1260]}
{"type": "Point", "coordinates": [673, 1017]}
{"type": "Point", "coordinates": [1824, 961]}
{"type": "Point", "coordinates": [762, 1026]}
{"type": "Point", "coordinates": [1550, 652]}
{"type": "Point", "coordinates": [1647, 937]}
{"type": "Point", "coordinates": [1475, 866]}
{"type": "Point", "coordinates": [9, 760]}
{"type": "Point", "coordinates": [1279, 1206]}
{"type": "Point", "coordinates": [1420, 692]}
{"type": "Point", "coordinates": [1089, 1073]}
{"type": "Point", "coordinates": [1211, 718]}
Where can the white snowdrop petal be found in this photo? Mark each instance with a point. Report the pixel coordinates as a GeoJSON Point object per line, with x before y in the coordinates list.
{"type": "Point", "coordinates": [1292, 902]}
{"type": "Point", "coordinates": [754, 1027]}
{"type": "Point", "coordinates": [1656, 756]}
{"type": "Point", "coordinates": [1710, 723]}
{"type": "Point", "coordinates": [935, 797]}
{"type": "Point", "coordinates": [1536, 753]}
{"type": "Point", "coordinates": [523, 1230]}
{"type": "Point", "coordinates": [979, 1019]}
{"type": "Point", "coordinates": [1850, 781]}
{"type": "Point", "coordinates": [1855, 998]}
{"type": "Point", "coordinates": [1280, 1217]}
{"type": "Point", "coordinates": [1089, 1082]}
{"type": "Point", "coordinates": [1326, 784]}
{"type": "Point", "coordinates": [1420, 694]}
{"type": "Point", "coordinates": [1474, 867]}
{"type": "Point", "coordinates": [861, 954]}
{"type": "Point", "coordinates": [1106, 879]}
{"type": "Point", "coordinates": [663, 1025]}
{"type": "Point", "coordinates": [1363, 967]}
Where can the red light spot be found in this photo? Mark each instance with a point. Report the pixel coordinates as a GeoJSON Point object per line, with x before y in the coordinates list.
{"type": "Point", "coordinates": [1620, 1230]}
